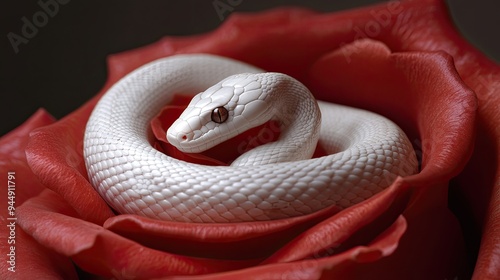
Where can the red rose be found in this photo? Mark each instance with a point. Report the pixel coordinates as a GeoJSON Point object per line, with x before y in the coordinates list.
{"type": "Point", "coordinates": [420, 77]}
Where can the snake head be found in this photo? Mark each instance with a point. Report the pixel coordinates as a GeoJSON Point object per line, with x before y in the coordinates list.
{"type": "Point", "coordinates": [219, 113]}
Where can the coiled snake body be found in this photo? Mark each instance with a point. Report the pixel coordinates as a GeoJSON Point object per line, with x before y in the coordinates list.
{"type": "Point", "coordinates": [276, 180]}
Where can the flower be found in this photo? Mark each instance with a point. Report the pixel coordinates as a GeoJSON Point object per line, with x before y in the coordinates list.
{"type": "Point", "coordinates": [384, 58]}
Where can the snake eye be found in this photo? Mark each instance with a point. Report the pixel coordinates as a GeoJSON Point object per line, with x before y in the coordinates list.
{"type": "Point", "coordinates": [220, 115]}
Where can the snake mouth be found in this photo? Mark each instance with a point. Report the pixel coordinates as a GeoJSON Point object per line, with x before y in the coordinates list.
{"type": "Point", "coordinates": [193, 143]}
{"type": "Point", "coordinates": [228, 150]}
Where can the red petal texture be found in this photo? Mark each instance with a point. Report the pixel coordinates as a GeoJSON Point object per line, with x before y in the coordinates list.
{"type": "Point", "coordinates": [97, 250]}
{"type": "Point", "coordinates": [417, 106]}
{"type": "Point", "coordinates": [54, 154]}
{"type": "Point", "coordinates": [21, 253]}
{"type": "Point", "coordinates": [407, 62]}
{"type": "Point", "coordinates": [13, 158]}
{"type": "Point", "coordinates": [220, 241]}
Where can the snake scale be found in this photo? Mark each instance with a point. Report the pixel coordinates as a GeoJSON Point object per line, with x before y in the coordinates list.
{"type": "Point", "coordinates": [366, 151]}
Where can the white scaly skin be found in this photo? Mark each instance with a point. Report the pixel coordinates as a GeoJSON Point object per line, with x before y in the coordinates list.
{"type": "Point", "coordinates": [252, 100]}
{"type": "Point", "coordinates": [367, 151]}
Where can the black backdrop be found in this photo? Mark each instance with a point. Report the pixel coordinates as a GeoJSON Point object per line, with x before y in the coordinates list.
{"type": "Point", "coordinates": [63, 64]}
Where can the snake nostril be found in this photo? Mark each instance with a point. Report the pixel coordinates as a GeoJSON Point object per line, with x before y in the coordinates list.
{"type": "Point", "coordinates": [184, 137]}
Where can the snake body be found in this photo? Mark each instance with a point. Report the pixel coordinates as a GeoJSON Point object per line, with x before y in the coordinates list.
{"type": "Point", "coordinates": [276, 180]}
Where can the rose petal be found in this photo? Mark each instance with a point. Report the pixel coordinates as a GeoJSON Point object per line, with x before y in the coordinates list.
{"type": "Point", "coordinates": [27, 256]}
{"type": "Point", "coordinates": [14, 142]}
{"type": "Point", "coordinates": [320, 268]}
{"type": "Point", "coordinates": [386, 256]}
{"type": "Point", "coordinates": [34, 259]}
{"type": "Point", "coordinates": [442, 108]}
{"type": "Point", "coordinates": [13, 158]}
{"type": "Point", "coordinates": [54, 153]}
{"type": "Point", "coordinates": [48, 218]}
{"type": "Point", "coordinates": [125, 62]}
{"type": "Point", "coordinates": [221, 241]}
{"type": "Point", "coordinates": [358, 224]}
{"type": "Point", "coordinates": [476, 194]}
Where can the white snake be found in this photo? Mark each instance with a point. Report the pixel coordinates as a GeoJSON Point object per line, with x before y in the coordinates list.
{"type": "Point", "coordinates": [276, 180]}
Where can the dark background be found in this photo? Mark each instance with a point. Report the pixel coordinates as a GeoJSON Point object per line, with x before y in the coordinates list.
{"type": "Point", "coordinates": [64, 64]}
